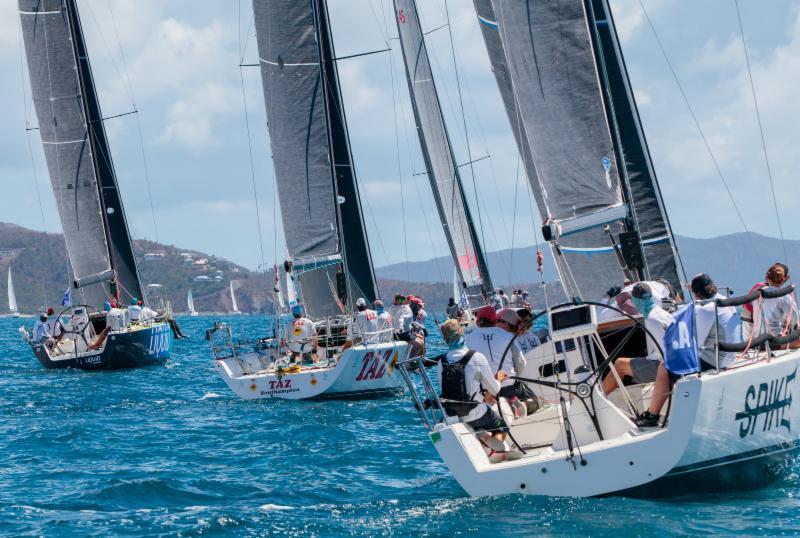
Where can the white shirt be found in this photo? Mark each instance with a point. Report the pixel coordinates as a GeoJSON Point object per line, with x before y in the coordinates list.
{"type": "Point", "coordinates": [776, 312]}
{"type": "Point", "coordinates": [496, 301]}
{"type": "Point", "coordinates": [301, 335]}
{"type": "Point", "coordinates": [41, 331]}
{"type": "Point", "coordinates": [504, 300]}
{"type": "Point", "coordinates": [527, 341]}
{"type": "Point", "coordinates": [135, 312]}
{"type": "Point", "coordinates": [491, 342]}
{"type": "Point", "coordinates": [657, 323]}
{"type": "Point", "coordinates": [52, 323]}
{"type": "Point", "coordinates": [402, 317]}
{"type": "Point", "coordinates": [477, 374]}
{"type": "Point", "coordinates": [384, 323]}
{"type": "Point", "coordinates": [115, 319]}
{"type": "Point", "coordinates": [706, 332]}
{"type": "Point", "coordinates": [364, 326]}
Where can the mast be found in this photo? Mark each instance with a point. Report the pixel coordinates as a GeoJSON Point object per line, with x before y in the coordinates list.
{"type": "Point", "coordinates": [558, 106]}
{"type": "Point", "coordinates": [77, 152]}
{"type": "Point", "coordinates": [437, 152]}
{"type": "Point", "coordinates": [325, 235]}
{"type": "Point", "coordinates": [657, 245]}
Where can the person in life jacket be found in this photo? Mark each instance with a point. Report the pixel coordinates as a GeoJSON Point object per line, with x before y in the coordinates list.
{"type": "Point", "coordinates": [469, 385]}
{"type": "Point", "coordinates": [494, 342]}
{"type": "Point", "coordinates": [650, 368]}
{"type": "Point", "coordinates": [302, 337]}
{"type": "Point", "coordinates": [364, 327]}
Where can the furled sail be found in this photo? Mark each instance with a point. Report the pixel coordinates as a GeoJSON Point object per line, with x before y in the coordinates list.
{"type": "Point", "coordinates": [77, 151]}
{"type": "Point", "coordinates": [559, 105]}
{"type": "Point", "coordinates": [438, 155]}
{"type": "Point", "coordinates": [320, 206]}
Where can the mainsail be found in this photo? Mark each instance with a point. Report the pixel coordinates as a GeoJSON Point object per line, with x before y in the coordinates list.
{"type": "Point", "coordinates": [12, 297]}
{"type": "Point", "coordinates": [77, 152]}
{"type": "Point", "coordinates": [554, 84]}
{"type": "Point", "coordinates": [438, 155]}
{"type": "Point", "coordinates": [190, 302]}
{"type": "Point", "coordinates": [320, 206]}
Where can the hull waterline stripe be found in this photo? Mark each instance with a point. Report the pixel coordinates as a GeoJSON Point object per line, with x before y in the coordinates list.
{"type": "Point", "coordinates": [735, 458]}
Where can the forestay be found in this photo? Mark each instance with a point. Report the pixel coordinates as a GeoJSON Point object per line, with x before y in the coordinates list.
{"type": "Point", "coordinates": [320, 206]}
{"type": "Point", "coordinates": [437, 152]}
{"type": "Point", "coordinates": [77, 152]}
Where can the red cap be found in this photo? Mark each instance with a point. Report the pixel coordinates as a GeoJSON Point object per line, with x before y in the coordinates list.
{"type": "Point", "coordinates": [50, 311]}
{"type": "Point", "coordinates": [486, 312]}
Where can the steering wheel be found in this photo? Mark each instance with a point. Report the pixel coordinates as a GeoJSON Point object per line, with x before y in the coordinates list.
{"type": "Point", "coordinates": [82, 325]}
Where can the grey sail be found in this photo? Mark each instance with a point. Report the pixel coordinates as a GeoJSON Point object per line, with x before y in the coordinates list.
{"type": "Point", "coordinates": [438, 155]}
{"type": "Point", "coordinates": [657, 244]}
{"type": "Point", "coordinates": [320, 206]}
{"type": "Point", "coordinates": [77, 152]}
{"type": "Point", "coordinates": [559, 103]}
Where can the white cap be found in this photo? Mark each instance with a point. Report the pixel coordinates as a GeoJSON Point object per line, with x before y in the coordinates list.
{"type": "Point", "coordinates": [361, 302]}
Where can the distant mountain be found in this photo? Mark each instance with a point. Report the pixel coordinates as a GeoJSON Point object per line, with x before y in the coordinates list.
{"type": "Point", "coordinates": [736, 260]}
{"type": "Point", "coordinates": [40, 270]}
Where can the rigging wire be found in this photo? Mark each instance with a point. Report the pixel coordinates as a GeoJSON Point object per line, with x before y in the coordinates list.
{"type": "Point", "coordinates": [138, 121]}
{"type": "Point", "coordinates": [399, 167]}
{"type": "Point", "coordinates": [250, 150]}
{"type": "Point", "coordinates": [760, 128]}
{"type": "Point", "coordinates": [33, 161]}
{"type": "Point", "coordinates": [696, 122]}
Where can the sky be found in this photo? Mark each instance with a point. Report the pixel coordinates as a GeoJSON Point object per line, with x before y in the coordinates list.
{"type": "Point", "coordinates": [177, 64]}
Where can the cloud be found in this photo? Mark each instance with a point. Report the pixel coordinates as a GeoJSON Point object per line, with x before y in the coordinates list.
{"type": "Point", "coordinates": [190, 120]}
{"type": "Point", "coordinates": [629, 18]}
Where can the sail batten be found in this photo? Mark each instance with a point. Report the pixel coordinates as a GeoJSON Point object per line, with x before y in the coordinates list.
{"type": "Point", "coordinates": [76, 149]}
{"type": "Point", "coordinates": [437, 152]}
{"type": "Point", "coordinates": [317, 188]}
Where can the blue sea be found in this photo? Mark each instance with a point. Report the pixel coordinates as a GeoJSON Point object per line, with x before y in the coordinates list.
{"type": "Point", "coordinates": [170, 451]}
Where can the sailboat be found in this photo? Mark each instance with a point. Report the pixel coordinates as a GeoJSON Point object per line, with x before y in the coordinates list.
{"type": "Point", "coordinates": [562, 77]}
{"type": "Point", "coordinates": [12, 297]}
{"type": "Point", "coordinates": [102, 263]}
{"type": "Point", "coordinates": [440, 163]}
{"type": "Point", "coordinates": [190, 303]}
{"type": "Point", "coordinates": [234, 306]}
{"type": "Point", "coordinates": [329, 263]}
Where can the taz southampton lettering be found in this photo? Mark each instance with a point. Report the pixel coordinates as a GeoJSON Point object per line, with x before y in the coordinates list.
{"type": "Point", "coordinates": [770, 400]}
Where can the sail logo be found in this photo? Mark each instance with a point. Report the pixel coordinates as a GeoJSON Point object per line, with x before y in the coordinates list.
{"type": "Point", "coordinates": [401, 16]}
{"type": "Point", "coordinates": [770, 400]}
{"type": "Point", "coordinates": [159, 340]}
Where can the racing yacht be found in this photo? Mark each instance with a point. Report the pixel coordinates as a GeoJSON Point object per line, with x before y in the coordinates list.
{"type": "Point", "coordinates": [329, 263]}
{"type": "Point", "coordinates": [579, 135]}
{"type": "Point", "coordinates": [102, 263]}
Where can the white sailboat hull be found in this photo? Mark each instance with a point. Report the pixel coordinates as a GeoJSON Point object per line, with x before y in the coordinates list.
{"type": "Point", "coordinates": [728, 429]}
{"type": "Point", "coordinates": [360, 371]}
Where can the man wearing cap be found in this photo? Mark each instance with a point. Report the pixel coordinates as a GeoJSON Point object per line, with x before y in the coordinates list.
{"type": "Point", "coordinates": [302, 337]}
{"type": "Point", "coordinates": [54, 324]}
{"type": "Point", "coordinates": [364, 327]}
{"type": "Point", "coordinates": [402, 318]}
{"type": "Point", "coordinates": [481, 384]}
{"type": "Point", "coordinates": [41, 331]}
{"type": "Point", "coordinates": [492, 337]}
{"type": "Point", "coordinates": [384, 321]}
{"type": "Point", "coordinates": [134, 310]}
{"type": "Point", "coordinates": [644, 369]}
{"type": "Point", "coordinates": [495, 301]}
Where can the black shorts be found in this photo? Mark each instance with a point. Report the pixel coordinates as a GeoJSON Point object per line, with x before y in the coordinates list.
{"type": "Point", "coordinates": [405, 337]}
{"type": "Point", "coordinates": [490, 422]}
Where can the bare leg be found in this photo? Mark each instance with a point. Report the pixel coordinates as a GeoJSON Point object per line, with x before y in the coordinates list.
{"type": "Point", "coordinates": [101, 338]}
{"type": "Point", "coordinates": [623, 368]}
{"type": "Point", "coordinates": [660, 390]}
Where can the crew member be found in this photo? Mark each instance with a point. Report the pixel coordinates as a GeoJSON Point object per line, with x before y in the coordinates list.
{"type": "Point", "coordinates": [302, 337]}
{"type": "Point", "coordinates": [465, 376]}
{"type": "Point", "coordinates": [402, 318]}
{"type": "Point", "coordinates": [727, 319]}
{"type": "Point", "coordinates": [364, 327]}
{"type": "Point", "coordinates": [134, 310]}
{"type": "Point", "coordinates": [384, 321]}
{"type": "Point", "coordinates": [41, 332]}
{"type": "Point", "coordinates": [453, 311]}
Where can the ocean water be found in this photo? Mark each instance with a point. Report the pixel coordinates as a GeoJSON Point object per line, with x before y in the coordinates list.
{"type": "Point", "coordinates": [170, 451]}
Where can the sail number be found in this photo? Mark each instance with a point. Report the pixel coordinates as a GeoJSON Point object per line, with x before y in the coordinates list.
{"type": "Point", "coordinates": [374, 365]}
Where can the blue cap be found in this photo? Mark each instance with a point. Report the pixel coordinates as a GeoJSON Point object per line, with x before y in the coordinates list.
{"type": "Point", "coordinates": [106, 306]}
{"type": "Point", "coordinates": [297, 309]}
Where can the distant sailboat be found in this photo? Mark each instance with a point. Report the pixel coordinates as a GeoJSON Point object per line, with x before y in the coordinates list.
{"type": "Point", "coordinates": [233, 300]}
{"type": "Point", "coordinates": [190, 303]}
{"type": "Point", "coordinates": [12, 297]}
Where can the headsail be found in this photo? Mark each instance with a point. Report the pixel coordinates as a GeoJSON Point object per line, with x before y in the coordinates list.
{"type": "Point", "coordinates": [77, 151]}
{"type": "Point", "coordinates": [320, 205]}
{"type": "Point", "coordinates": [438, 155]}
{"type": "Point", "coordinates": [558, 102]}
{"type": "Point", "coordinates": [12, 297]}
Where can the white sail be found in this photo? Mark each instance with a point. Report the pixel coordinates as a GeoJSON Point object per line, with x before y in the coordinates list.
{"type": "Point", "coordinates": [12, 297]}
{"type": "Point", "coordinates": [190, 303]}
{"type": "Point", "coordinates": [233, 299]}
{"type": "Point", "coordinates": [291, 294]}
{"type": "Point", "coordinates": [277, 288]}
